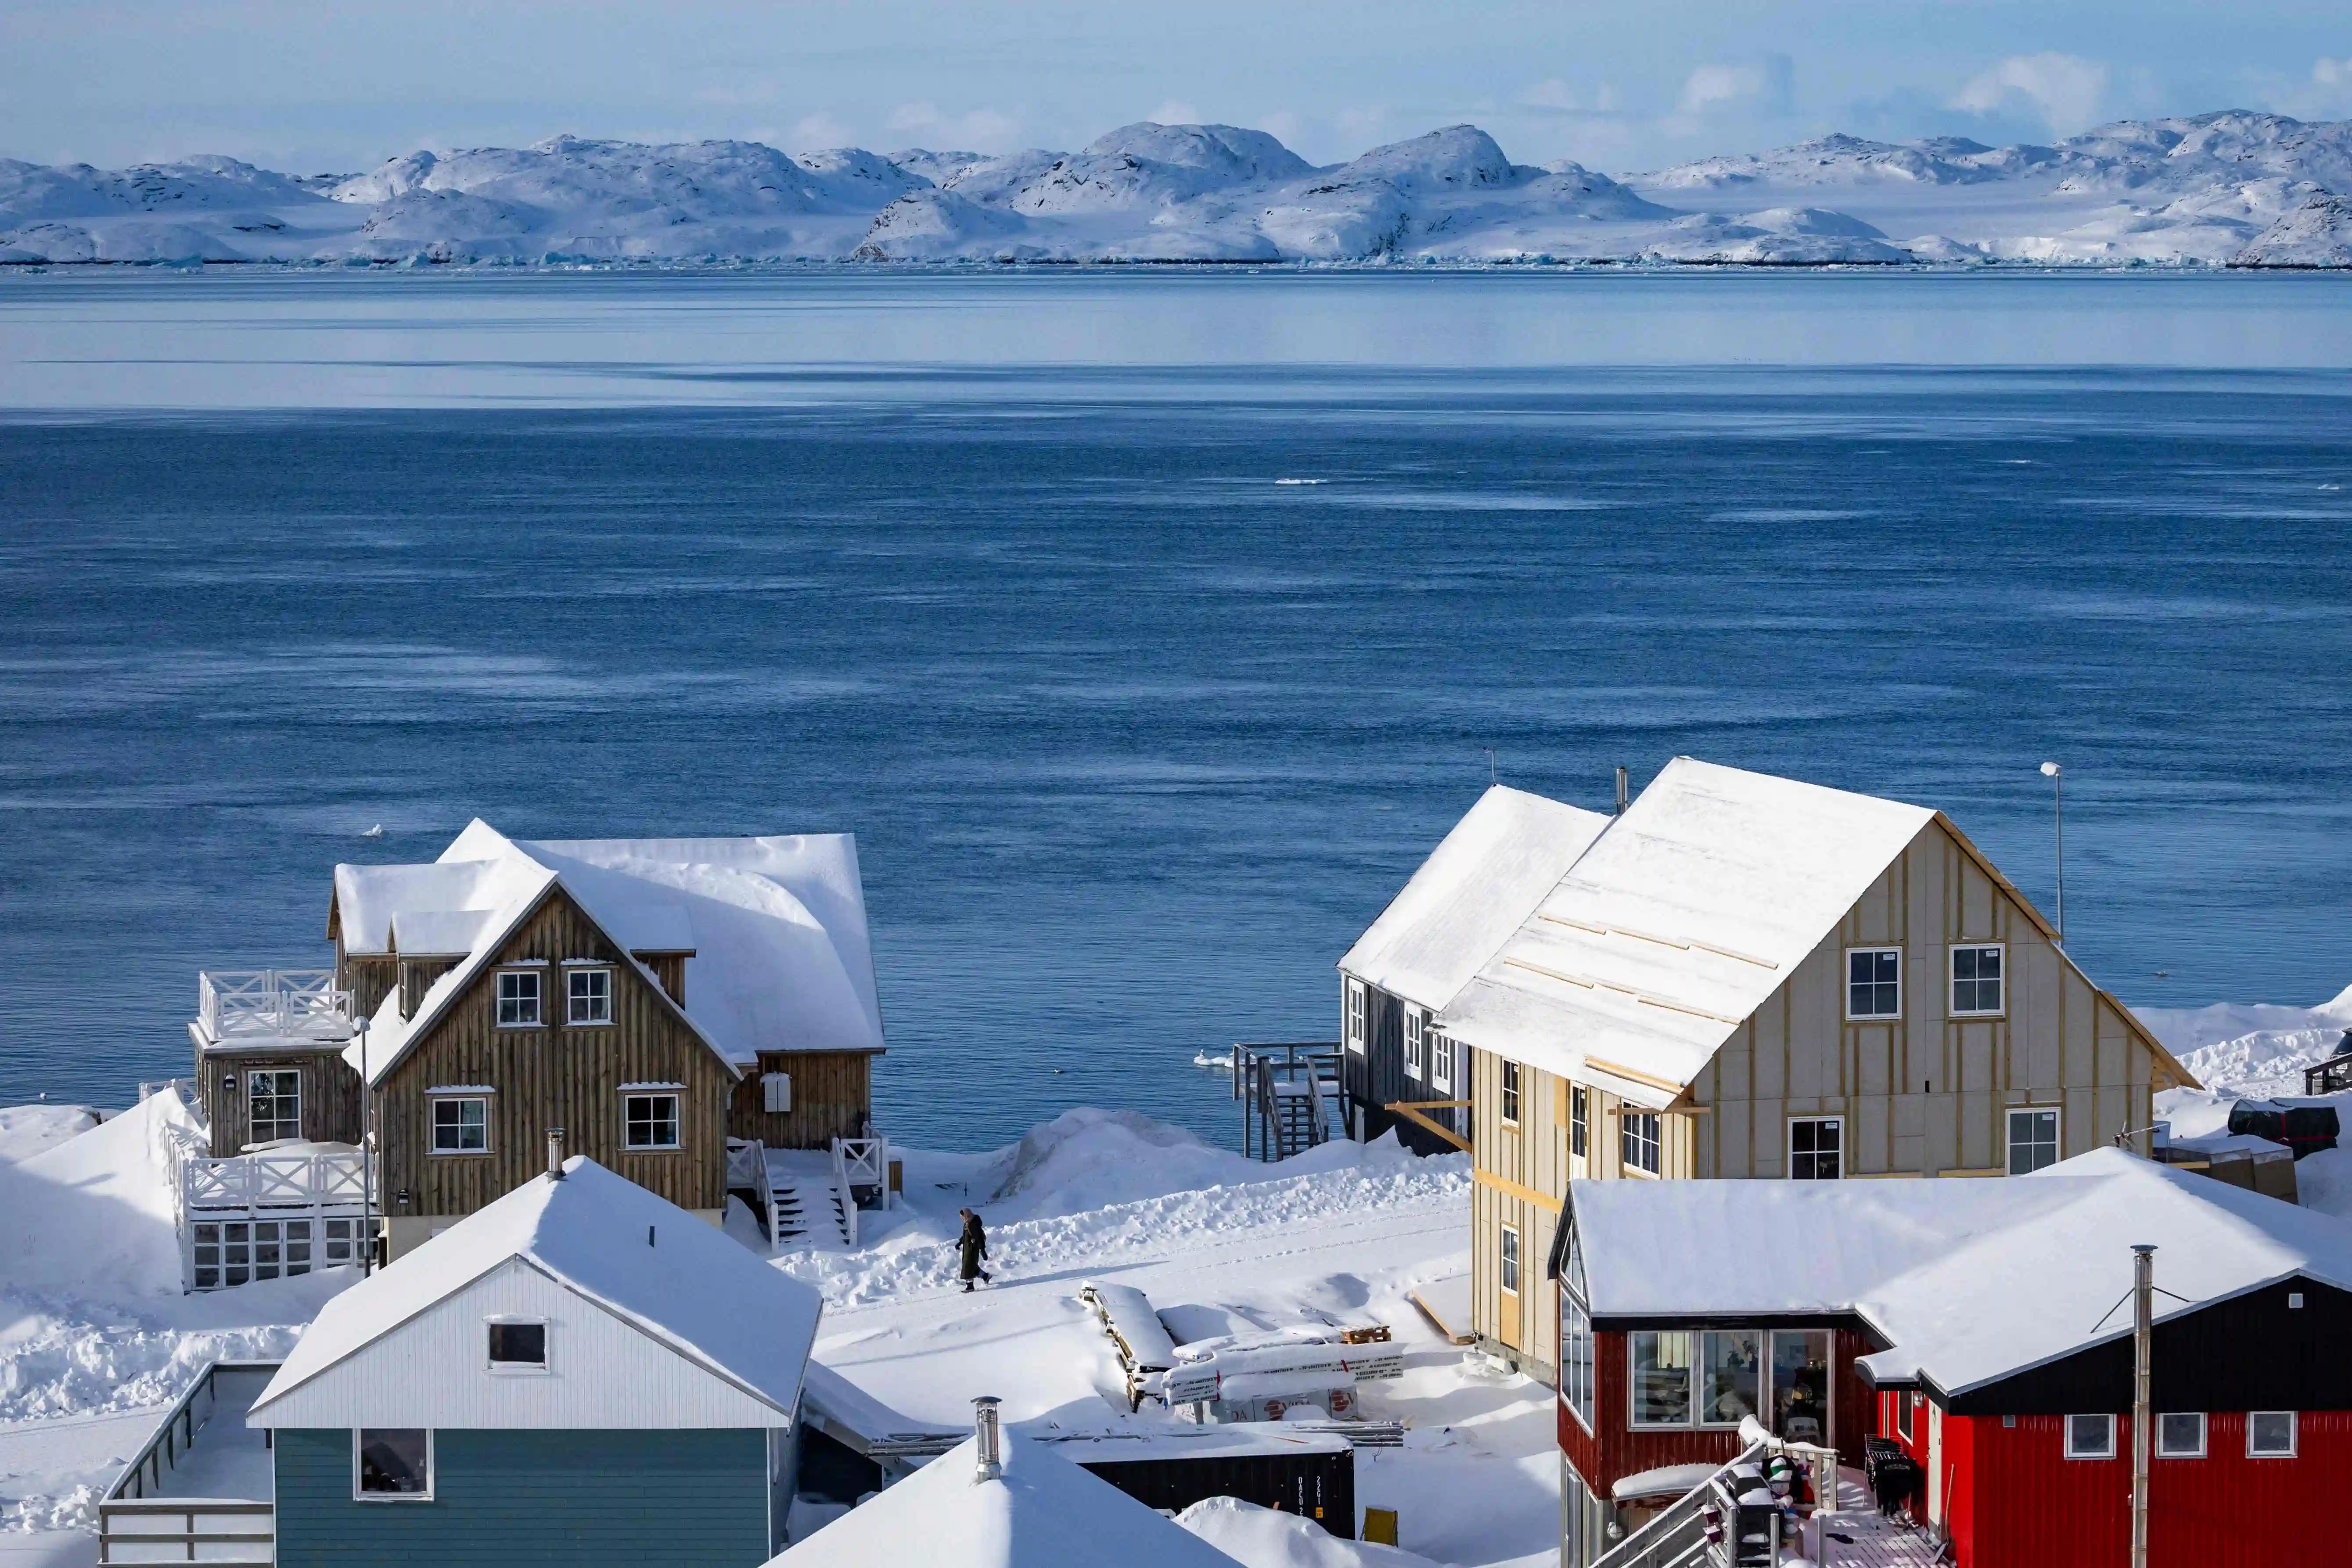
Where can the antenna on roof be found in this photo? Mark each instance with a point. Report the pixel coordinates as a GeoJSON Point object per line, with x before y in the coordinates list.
{"type": "Point", "coordinates": [1624, 792]}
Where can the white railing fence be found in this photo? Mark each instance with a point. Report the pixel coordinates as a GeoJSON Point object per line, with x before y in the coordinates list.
{"type": "Point", "coordinates": [278, 1002]}
{"type": "Point", "coordinates": [274, 1180]}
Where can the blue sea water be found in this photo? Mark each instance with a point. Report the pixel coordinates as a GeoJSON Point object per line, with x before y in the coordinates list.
{"type": "Point", "coordinates": [1001, 572]}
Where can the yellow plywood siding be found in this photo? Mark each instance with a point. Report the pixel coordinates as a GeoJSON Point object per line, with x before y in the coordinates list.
{"type": "Point", "coordinates": [1925, 1092]}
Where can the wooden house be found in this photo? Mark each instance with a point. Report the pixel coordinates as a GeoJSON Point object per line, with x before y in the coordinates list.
{"type": "Point", "coordinates": [580, 1371]}
{"type": "Point", "coordinates": [652, 999]}
{"type": "Point", "coordinates": [1748, 976]}
{"type": "Point", "coordinates": [1987, 1328]}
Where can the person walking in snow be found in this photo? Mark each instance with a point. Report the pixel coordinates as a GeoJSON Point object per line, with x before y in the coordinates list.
{"type": "Point", "coordinates": [973, 1244]}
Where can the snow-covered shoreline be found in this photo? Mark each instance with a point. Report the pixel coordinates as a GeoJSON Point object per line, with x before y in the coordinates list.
{"type": "Point", "coordinates": [2225, 189]}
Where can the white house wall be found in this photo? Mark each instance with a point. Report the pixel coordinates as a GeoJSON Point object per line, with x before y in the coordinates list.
{"type": "Point", "coordinates": [602, 1372]}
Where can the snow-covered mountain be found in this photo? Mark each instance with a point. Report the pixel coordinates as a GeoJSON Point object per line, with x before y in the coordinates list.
{"type": "Point", "coordinates": [2232, 187]}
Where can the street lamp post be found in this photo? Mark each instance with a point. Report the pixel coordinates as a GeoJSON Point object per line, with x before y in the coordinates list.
{"type": "Point", "coordinates": [367, 1159]}
{"type": "Point", "coordinates": [2057, 777]}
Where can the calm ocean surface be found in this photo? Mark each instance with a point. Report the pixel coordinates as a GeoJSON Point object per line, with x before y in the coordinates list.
{"type": "Point", "coordinates": [997, 570]}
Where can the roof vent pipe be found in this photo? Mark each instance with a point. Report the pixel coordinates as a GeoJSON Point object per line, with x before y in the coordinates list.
{"type": "Point", "coordinates": [984, 1432]}
{"type": "Point", "coordinates": [555, 1154]}
{"type": "Point", "coordinates": [1624, 793]}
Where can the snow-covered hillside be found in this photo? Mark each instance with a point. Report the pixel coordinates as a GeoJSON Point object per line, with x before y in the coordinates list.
{"type": "Point", "coordinates": [2225, 188]}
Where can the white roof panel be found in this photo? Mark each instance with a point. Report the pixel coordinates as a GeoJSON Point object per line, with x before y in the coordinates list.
{"type": "Point", "coordinates": [1477, 885]}
{"type": "Point", "coordinates": [699, 1291]}
{"type": "Point", "coordinates": [1678, 923]}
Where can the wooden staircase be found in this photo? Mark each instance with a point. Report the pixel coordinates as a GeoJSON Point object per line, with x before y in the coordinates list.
{"type": "Point", "coordinates": [804, 1210]}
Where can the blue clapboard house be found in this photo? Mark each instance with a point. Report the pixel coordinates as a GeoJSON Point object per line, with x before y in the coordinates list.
{"type": "Point", "coordinates": [581, 1371]}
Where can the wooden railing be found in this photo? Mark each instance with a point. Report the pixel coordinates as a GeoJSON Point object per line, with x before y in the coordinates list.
{"type": "Point", "coordinates": [297, 1004]}
{"type": "Point", "coordinates": [273, 1180]}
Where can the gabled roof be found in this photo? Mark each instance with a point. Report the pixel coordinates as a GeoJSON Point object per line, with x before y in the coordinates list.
{"type": "Point", "coordinates": [1042, 1513]}
{"type": "Point", "coordinates": [1484, 878]}
{"type": "Point", "coordinates": [701, 1293]}
{"type": "Point", "coordinates": [776, 926]}
{"type": "Point", "coordinates": [1934, 1265]}
{"type": "Point", "coordinates": [1678, 923]}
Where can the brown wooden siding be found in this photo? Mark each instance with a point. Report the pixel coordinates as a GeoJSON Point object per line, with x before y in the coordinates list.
{"type": "Point", "coordinates": [369, 980]}
{"type": "Point", "coordinates": [833, 1096]}
{"type": "Point", "coordinates": [416, 977]}
{"type": "Point", "coordinates": [670, 968]}
{"type": "Point", "coordinates": [554, 1076]}
{"type": "Point", "coordinates": [330, 1096]}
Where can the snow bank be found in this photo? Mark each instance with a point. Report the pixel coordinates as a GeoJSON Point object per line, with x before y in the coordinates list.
{"type": "Point", "coordinates": [94, 1212]}
{"type": "Point", "coordinates": [1266, 1538]}
{"type": "Point", "coordinates": [28, 1130]}
{"type": "Point", "coordinates": [2242, 1050]}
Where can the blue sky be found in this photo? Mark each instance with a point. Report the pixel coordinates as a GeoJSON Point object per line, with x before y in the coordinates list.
{"type": "Point", "coordinates": [324, 85]}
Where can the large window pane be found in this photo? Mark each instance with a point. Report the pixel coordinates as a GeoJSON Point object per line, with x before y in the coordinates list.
{"type": "Point", "coordinates": [396, 1463]}
{"type": "Point", "coordinates": [1576, 1358]}
{"type": "Point", "coordinates": [1731, 1373]}
{"type": "Point", "coordinates": [1800, 1384]}
{"type": "Point", "coordinates": [2032, 1140]}
{"type": "Point", "coordinates": [1662, 1378]}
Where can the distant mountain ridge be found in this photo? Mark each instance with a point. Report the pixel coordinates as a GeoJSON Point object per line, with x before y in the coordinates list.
{"type": "Point", "coordinates": [2228, 188]}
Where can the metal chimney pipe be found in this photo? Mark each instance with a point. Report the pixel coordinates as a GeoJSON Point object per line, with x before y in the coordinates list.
{"type": "Point", "coordinates": [555, 1154]}
{"type": "Point", "coordinates": [984, 1430]}
{"type": "Point", "coordinates": [1624, 792]}
{"type": "Point", "coordinates": [2143, 1348]}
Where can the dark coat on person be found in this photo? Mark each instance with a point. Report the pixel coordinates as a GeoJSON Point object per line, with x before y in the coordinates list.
{"type": "Point", "coordinates": [973, 1244]}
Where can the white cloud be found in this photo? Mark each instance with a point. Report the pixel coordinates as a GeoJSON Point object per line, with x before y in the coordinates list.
{"type": "Point", "coordinates": [1175, 111]}
{"type": "Point", "coordinates": [1769, 85]}
{"type": "Point", "coordinates": [1560, 97]}
{"type": "Point", "coordinates": [976, 131]}
{"type": "Point", "coordinates": [815, 132]}
{"type": "Point", "coordinates": [2065, 90]}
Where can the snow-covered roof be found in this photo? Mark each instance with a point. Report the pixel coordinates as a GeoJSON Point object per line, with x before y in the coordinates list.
{"type": "Point", "coordinates": [776, 926]}
{"type": "Point", "coordinates": [1484, 878]}
{"type": "Point", "coordinates": [1933, 1264]}
{"type": "Point", "coordinates": [1043, 1511]}
{"type": "Point", "coordinates": [699, 1291]}
{"type": "Point", "coordinates": [1678, 923]}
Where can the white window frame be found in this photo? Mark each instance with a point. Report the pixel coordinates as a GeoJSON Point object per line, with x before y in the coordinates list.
{"type": "Point", "coordinates": [2107, 1451]}
{"type": "Point", "coordinates": [1441, 1059]}
{"type": "Point", "coordinates": [571, 999]}
{"type": "Point", "coordinates": [1790, 1142]}
{"type": "Point", "coordinates": [1906, 1414]}
{"type": "Point", "coordinates": [1508, 1261]}
{"type": "Point", "coordinates": [2293, 1436]}
{"type": "Point", "coordinates": [1952, 980]}
{"type": "Point", "coordinates": [1580, 1121]}
{"type": "Point", "coordinates": [432, 1469]}
{"type": "Point", "coordinates": [1853, 1017]}
{"type": "Point", "coordinates": [1508, 1075]}
{"type": "Point", "coordinates": [2164, 1451]}
{"type": "Point", "coordinates": [1633, 1421]}
{"type": "Point", "coordinates": [1416, 1046]}
{"type": "Point", "coordinates": [539, 1368]}
{"type": "Point", "coordinates": [677, 1120]}
{"type": "Point", "coordinates": [1355, 1013]}
{"type": "Point", "coordinates": [433, 1102]}
{"type": "Point", "coordinates": [538, 1019]}
{"type": "Point", "coordinates": [2009, 1135]}
{"type": "Point", "coordinates": [1630, 1140]}
{"type": "Point", "coordinates": [254, 1094]}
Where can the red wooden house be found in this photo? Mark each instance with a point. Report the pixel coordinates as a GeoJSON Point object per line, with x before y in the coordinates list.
{"type": "Point", "coordinates": [1985, 1325]}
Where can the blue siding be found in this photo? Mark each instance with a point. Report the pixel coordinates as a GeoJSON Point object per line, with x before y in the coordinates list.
{"type": "Point", "coordinates": [626, 1498]}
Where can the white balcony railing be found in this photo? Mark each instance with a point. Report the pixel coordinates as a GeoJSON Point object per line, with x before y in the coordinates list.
{"type": "Point", "coordinates": [274, 1180]}
{"type": "Point", "coordinates": [273, 1004]}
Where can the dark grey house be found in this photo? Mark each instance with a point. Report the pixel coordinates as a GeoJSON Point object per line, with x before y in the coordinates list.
{"type": "Point", "coordinates": [1484, 880]}
{"type": "Point", "coordinates": [581, 1371]}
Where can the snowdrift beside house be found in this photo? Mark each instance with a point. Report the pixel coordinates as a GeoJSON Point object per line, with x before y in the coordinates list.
{"type": "Point", "coordinates": [1265, 1538]}
{"type": "Point", "coordinates": [2231, 187]}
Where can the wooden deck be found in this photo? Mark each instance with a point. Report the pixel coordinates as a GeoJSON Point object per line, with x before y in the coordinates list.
{"type": "Point", "coordinates": [1858, 1536]}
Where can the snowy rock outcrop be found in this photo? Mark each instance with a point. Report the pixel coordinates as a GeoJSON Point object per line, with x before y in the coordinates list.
{"type": "Point", "coordinates": [2232, 187]}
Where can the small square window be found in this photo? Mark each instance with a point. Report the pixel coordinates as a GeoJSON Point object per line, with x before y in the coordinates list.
{"type": "Point", "coordinates": [2090, 1436]}
{"type": "Point", "coordinates": [2270, 1435]}
{"type": "Point", "coordinates": [1976, 982]}
{"type": "Point", "coordinates": [1511, 1092]}
{"type": "Point", "coordinates": [392, 1464]}
{"type": "Point", "coordinates": [1874, 983]}
{"type": "Point", "coordinates": [649, 1122]}
{"type": "Point", "coordinates": [519, 1345]}
{"type": "Point", "coordinates": [518, 998]}
{"type": "Point", "coordinates": [2032, 1140]}
{"type": "Point", "coordinates": [1816, 1148]}
{"type": "Point", "coordinates": [461, 1125]}
{"type": "Point", "coordinates": [2180, 1434]}
{"type": "Point", "coordinates": [590, 995]}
